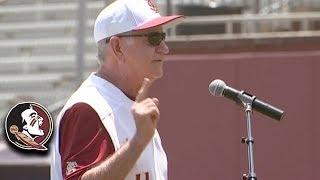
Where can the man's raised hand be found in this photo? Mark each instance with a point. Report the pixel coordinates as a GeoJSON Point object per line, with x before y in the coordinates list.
{"type": "Point", "coordinates": [146, 112]}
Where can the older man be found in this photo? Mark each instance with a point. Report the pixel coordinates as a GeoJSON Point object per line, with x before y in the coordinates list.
{"type": "Point", "coordinates": [107, 129]}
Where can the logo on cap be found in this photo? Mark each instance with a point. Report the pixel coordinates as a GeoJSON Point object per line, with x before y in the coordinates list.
{"type": "Point", "coordinates": [29, 126]}
{"type": "Point", "coordinates": [153, 5]}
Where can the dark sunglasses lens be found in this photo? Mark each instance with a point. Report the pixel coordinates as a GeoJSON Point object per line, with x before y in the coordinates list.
{"type": "Point", "coordinates": [156, 38]}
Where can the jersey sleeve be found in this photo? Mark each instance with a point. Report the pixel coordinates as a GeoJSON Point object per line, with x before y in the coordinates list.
{"type": "Point", "coordinates": [83, 141]}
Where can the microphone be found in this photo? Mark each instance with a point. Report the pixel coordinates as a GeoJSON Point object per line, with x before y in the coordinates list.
{"type": "Point", "coordinates": [219, 88]}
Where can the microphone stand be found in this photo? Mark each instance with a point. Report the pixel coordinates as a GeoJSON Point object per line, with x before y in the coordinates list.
{"type": "Point", "coordinates": [247, 101]}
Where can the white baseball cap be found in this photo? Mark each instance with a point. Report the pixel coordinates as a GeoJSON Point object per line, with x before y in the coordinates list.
{"type": "Point", "coordinates": [130, 15]}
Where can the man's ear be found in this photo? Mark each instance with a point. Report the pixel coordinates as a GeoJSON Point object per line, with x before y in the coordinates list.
{"type": "Point", "coordinates": [116, 47]}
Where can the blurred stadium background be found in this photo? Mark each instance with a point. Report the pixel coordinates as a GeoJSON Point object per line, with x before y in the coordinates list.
{"type": "Point", "coordinates": [47, 48]}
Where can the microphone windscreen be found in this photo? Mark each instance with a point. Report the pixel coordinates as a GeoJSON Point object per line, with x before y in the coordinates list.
{"type": "Point", "coordinates": [217, 87]}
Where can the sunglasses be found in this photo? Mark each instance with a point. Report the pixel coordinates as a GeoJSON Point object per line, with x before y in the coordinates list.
{"type": "Point", "coordinates": [154, 38]}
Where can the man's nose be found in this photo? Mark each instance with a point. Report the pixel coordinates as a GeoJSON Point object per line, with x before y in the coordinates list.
{"type": "Point", "coordinates": [162, 48]}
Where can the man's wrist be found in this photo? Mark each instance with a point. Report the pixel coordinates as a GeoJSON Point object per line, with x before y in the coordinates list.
{"type": "Point", "coordinates": [140, 141]}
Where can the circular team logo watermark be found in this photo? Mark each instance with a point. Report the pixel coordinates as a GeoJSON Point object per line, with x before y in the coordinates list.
{"type": "Point", "coordinates": [29, 126]}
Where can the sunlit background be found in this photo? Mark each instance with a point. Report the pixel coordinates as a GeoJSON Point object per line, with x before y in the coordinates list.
{"type": "Point", "coordinates": [47, 46]}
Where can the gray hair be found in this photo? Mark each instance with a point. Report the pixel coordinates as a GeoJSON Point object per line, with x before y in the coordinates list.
{"type": "Point", "coordinates": [101, 45]}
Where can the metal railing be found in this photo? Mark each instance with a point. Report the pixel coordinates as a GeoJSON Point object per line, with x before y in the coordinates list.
{"type": "Point", "coordinates": [248, 20]}
{"type": "Point", "coordinates": [303, 18]}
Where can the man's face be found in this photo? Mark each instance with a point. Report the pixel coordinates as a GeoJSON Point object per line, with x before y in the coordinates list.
{"type": "Point", "coordinates": [143, 59]}
{"type": "Point", "coordinates": [34, 121]}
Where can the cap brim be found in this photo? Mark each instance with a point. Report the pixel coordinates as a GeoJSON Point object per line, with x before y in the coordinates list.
{"type": "Point", "coordinates": [164, 21]}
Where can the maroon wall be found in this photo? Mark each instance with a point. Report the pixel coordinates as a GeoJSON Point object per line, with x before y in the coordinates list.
{"type": "Point", "coordinates": [202, 133]}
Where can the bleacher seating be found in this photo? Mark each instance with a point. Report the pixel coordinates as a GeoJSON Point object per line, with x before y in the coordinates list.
{"type": "Point", "coordinates": [37, 50]}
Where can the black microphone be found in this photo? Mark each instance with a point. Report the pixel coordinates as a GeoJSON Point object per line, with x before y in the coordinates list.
{"type": "Point", "coordinates": [219, 88]}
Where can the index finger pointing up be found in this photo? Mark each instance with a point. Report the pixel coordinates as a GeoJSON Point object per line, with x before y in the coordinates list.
{"type": "Point", "coordinates": [143, 92]}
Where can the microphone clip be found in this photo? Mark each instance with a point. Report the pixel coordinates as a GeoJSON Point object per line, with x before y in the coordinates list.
{"type": "Point", "coordinates": [246, 100]}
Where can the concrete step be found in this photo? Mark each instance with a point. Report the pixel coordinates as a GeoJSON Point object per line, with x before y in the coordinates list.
{"type": "Point", "coordinates": [41, 25]}
{"type": "Point", "coordinates": [43, 81]}
{"type": "Point", "coordinates": [58, 63]}
{"type": "Point", "coordinates": [21, 88]}
{"type": "Point", "coordinates": [42, 46]}
{"type": "Point", "coordinates": [48, 8]}
{"type": "Point", "coordinates": [26, 2]}
{"type": "Point", "coordinates": [40, 81]}
{"type": "Point", "coordinates": [45, 98]}
{"type": "Point", "coordinates": [42, 29]}
{"type": "Point", "coordinates": [10, 159]}
{"type": "Point", "coordinates": [49, 11]}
